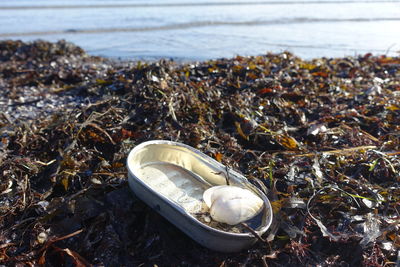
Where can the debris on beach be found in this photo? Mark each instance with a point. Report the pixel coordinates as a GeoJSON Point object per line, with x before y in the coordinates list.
{"type": "Point", "coordinates": [231, 204]}
{"type": "Point", "coordinates": [320, 137]}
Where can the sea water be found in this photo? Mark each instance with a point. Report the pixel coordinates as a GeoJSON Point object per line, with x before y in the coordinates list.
{"type": "Point", "coordinates": [208, 29]}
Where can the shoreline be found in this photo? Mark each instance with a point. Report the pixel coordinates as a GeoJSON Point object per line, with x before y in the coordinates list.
{"type": "Point", "coordinates": [80, 57]}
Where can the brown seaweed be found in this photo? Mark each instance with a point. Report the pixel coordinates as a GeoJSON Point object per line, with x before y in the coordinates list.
{"type": "Point", "coordinates": [320, 137]}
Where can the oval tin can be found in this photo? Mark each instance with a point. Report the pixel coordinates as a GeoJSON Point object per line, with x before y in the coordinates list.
{"type": "Point", "coordinates": [171, 177]}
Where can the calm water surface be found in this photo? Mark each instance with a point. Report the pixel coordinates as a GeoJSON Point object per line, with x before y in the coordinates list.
{"type": "Point", "coordinates": [205, 29]}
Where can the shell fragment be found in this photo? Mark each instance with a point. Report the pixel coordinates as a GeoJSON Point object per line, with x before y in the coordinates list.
{"type": "Point", "coordinates": [232, 204]}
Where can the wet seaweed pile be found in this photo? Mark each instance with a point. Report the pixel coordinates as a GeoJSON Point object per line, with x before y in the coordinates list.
{"type": "Point", "coordinates": [320, 137]}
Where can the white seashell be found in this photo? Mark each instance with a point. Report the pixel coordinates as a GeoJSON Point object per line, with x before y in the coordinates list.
{"type": "Point", "coordinates": [231, 204]}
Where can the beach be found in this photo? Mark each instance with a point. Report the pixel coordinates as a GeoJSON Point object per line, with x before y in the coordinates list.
{"type": "Point", "coordinates": [319, 137]}
{"type": "Point", "coordinates": [301, 97]}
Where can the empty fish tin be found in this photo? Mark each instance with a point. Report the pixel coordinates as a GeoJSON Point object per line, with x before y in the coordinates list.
{"type": "Point", "coordinates": [171, 178]}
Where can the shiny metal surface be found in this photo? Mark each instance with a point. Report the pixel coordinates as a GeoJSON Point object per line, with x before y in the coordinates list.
{"type": "Point", "coordinates": [198, 166]}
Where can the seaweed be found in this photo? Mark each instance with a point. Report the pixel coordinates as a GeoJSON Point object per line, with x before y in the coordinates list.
{"type": "Point", "coordinates": [320, 137]}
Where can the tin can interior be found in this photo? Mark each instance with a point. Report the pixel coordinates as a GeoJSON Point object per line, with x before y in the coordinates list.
{"type": "Point", "coordinates": [182, 176]}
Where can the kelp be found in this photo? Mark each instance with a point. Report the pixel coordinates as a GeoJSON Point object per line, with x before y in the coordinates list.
{"type": "Point", "coordinates": [320, 137]}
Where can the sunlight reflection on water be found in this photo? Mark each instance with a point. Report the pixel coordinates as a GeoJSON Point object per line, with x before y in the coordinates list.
{"type": "Point", "coordinates": [208, 29]}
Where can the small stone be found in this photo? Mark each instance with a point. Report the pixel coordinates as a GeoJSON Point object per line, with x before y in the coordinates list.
{"type": "Point", "coordinates": [95, 181]}
{"type": "Point", "coordinates": [207, 219]}
{"type": "Point", "coordinates": [42, 237]}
